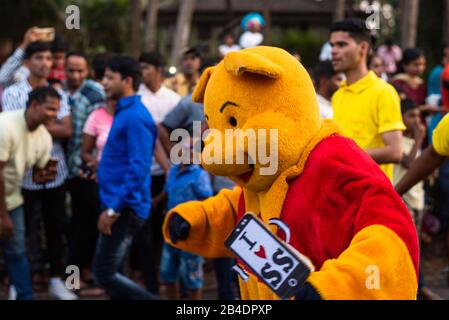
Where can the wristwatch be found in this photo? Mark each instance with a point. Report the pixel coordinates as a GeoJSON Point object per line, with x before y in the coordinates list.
{"type": "Point", "coordinates": [111, 213]}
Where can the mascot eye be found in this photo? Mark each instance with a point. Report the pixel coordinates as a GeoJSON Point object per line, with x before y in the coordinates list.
{"type": "Point", "coordinates": [233, 121]}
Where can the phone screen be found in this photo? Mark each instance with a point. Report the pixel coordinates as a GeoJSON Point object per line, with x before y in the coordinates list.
{"type": "Point", "coordinates": [52, 162]}
{"type": "Point", "coordinates": [47, 34]}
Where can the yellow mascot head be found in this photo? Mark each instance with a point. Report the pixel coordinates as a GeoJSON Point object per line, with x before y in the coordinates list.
{"type": "Point", "coordinates": [267, 96]}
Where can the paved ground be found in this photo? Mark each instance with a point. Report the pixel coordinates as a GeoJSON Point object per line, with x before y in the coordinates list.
{"type": "Point", "coordinates": [209, 291]}
{"type": "Point", "coordinates": [435, 266]}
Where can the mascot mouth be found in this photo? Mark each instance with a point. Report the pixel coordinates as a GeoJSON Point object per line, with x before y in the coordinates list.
{"type": "Point", "coordinates": [247, 175]}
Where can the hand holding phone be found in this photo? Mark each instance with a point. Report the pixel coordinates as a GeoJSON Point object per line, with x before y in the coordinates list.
{"type": "Point", "coordinates": [52, 163]}
{"type": "Point", "coordinates": [87, 172]}
{"type": "Point", "coordinates": [51, 169]}
{"type": "Point", "coordinates": [282, 268]}
{"type": "Point", "coordinates": [46, 34]}
{"type": "Point", "coordinates": [47, 174]}
{"type": "Point", "coordinates": [39, 175]}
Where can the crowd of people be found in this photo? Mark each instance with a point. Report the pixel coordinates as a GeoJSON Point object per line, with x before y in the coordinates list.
{"type": "Point", "coordinates": [106, 175]}
{"type": "Point", "coordinates": [390, 111]}
{"type": "Point", "coordinates": [86, 177]}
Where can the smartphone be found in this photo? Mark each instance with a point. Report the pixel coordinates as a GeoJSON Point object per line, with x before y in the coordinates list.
{"type": "Point", "coordinates": [276, 263]}
{"type": "Point", "coordinates": [86, 169]}
{"type": "Point", "coordinates": [38, 175]}
{"type": "Point", "coordinates": [53, 162]}
{"type": "Point", "coordinates": [46, 34]}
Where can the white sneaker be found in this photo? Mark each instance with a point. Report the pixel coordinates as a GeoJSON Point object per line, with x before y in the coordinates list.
{"type": "Point", "coordinates": [12, 295]}
{"type": "Point", "coordinates": [57, 290]}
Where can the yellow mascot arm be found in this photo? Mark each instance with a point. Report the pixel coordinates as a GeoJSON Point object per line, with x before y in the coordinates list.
{"type": "Point", "coordinates": [377, 265]}
{"type": "Point", "coordinates": [211, 221]}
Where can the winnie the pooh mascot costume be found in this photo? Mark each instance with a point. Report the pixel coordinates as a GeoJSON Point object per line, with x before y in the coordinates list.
{"type": "Point", "coordinates": [342, 211]}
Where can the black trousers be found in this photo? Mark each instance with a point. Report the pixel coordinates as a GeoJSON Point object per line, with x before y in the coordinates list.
{"type": "Point", "coordinates": [110, 255]}
{"type": "Point", "coordinates": [83, 225]}
{"type": "Point", "coordinates": [146, 249]}
{"type": "Point", "coordinates": [47, 206]}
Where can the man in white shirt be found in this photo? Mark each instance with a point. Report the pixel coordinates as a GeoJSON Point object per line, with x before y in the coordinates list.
{"type": "Point", "coordinates": [250, 39]}
{"type": "Point", "coordinates": [252, 23]}
{"type": "Point", "coordinates": [326, 81]}
{"type": "Point", "coordinates": [159, 101]}
{"type": "Point", "coordinates": [228, 45]}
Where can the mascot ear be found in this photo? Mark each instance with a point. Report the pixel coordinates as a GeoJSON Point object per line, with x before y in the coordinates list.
{"type": "Point", "coordinates": [200, 88]}
{"type": "Point", "coordinates": [239, 62]}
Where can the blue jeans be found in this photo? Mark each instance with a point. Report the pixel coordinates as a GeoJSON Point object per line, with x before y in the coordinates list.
{"type": "Point", "coordinates": [15, 256]}
{"type": "Point", "coordinates": [177, 264]}
{"type": "Point", "coordinates": [110, 254]}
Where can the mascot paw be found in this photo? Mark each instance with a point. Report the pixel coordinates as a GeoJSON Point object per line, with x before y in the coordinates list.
{"type": "Point", "coordinates": [178, 228]}
{"type": "Point", "coordinates": [307, 292]}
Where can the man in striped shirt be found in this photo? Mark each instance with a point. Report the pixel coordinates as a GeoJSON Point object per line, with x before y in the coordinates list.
{"type": "Point", "coordinates": [46, 200]}
{"type": "Point", "coordinates": [84, 97]}
{"type": "Point", "coordinates": [13, 71]}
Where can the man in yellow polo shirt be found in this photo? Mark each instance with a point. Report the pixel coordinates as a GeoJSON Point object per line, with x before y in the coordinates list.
{"type": "Point", "coordinates": [366, 107]}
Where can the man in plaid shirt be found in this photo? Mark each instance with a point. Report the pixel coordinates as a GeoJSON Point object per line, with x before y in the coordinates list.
{"type": "Point", "coordinates": [84, 97]}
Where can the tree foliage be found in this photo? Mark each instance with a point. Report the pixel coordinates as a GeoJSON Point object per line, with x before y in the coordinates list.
{"type": "Point", "coordinates": [105, 24]}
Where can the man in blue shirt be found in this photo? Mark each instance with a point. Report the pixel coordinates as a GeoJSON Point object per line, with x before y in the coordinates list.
{"type": "Point", "coordinates": [124, 179]}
